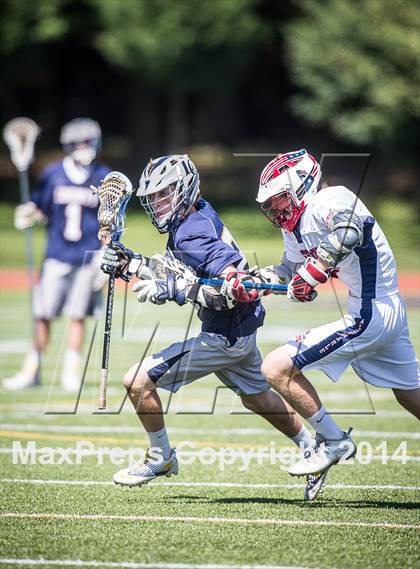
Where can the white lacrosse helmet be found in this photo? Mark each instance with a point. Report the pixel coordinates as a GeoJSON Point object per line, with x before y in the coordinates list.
{"type": "Point", "coordinates": [168, 188]}
{"type": "Point", "coordinates": [81, 138]}
{"type": "Point", "coordinates": [287, 184]}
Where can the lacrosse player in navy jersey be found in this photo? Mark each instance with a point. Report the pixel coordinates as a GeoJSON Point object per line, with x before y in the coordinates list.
{"type": "Point", "coordinates": [69, 279]}
{"type": "Point", "coordinates": [226, 346]}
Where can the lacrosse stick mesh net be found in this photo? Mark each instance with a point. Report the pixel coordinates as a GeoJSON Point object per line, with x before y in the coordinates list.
{"type": "Point", "coordinates": [162, 265]}
{"type": "Point", "coordinates": [114, 192]}
{"type": "Point", "coordinates": [20, 135]}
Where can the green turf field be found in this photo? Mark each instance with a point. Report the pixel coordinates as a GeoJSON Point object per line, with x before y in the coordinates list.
{"type": "Point", "coordinates": [367, 517]}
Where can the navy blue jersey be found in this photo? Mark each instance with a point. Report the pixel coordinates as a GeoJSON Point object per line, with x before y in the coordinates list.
{"type": "Point", "coordinates": [71, 211]}
{"type": "Point", "coordinates": [202, 242]}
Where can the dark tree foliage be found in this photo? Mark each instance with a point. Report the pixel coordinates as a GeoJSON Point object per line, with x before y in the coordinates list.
{"type": "Point", "coordinates": [358, 66]}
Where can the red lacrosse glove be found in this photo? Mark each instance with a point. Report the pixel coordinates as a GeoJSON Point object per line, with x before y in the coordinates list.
{"type": "Point", "coordinates": [233, 287]}
{"type": "Point", "coordinates": [302, 287]}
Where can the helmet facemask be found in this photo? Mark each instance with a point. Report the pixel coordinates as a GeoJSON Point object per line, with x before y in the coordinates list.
{"type": "Point", "coordinates": [169, 187]}
{"type": "Point", "coordinates": [287, 184]}
{"type": "Point", "coordinates": [84, 153]}
{"type": "Point", "coordinates": [81, 139]}
{"type": "Point", "coordinates": [162, 205]}
{"type": "Point", "coordinates": [282, 210]}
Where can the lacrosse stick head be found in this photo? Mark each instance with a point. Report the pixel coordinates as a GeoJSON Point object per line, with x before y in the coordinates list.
{"type": "Point", "coordinates": [20, 135]}
{"type": "Point", "coordinates": [114, 193]}
{"type": "Point", "coordinates": [162, 265]}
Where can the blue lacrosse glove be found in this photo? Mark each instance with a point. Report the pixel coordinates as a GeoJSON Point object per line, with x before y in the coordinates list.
{"type": "Point", "coordinates": [120, 261]}
{"type": "Point", "coordinates": [158, 291]}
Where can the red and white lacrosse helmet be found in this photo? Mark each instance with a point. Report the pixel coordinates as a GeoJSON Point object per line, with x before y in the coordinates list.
{"type": "Point", "coordinates": [287, 183]}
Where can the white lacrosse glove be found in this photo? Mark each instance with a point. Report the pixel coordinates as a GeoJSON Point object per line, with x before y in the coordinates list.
{"type": "Point", "coordinates": [158, 291]}
{"type": "Point", "coordinates": [122, 262]}
{"type": "Point", "coordinates": [26, 215]}
{"type": "Point", "coordinates": [274, 274]}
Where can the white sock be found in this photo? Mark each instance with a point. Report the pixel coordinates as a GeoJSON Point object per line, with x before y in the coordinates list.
{"type": "Point", "coordinates": [31, 363]}
{"type": "Point", "coordinates": [159, 440]}
{"type": "Point", "coordinates": [324, 425]}
{"type": "Point", "coordinates": [71, 363]}
{"type": "Point", "coordinates": [303, 437]}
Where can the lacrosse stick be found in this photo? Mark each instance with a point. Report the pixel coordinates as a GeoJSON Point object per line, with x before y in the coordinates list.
{"type": "Point", "coordinates": [162, 264]}
{"type": "Point", "coordinates": [20, 135]}
{"type": "Point", "coordinates": [114, 193]}
{"type": "Point", "coordinates": [280, 288]}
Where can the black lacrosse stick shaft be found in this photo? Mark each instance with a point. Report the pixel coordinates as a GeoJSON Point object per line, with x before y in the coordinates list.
{"type": "Point", "coordinates": [107, 342]}
{"type": "Point", "coordinates": [108, 321]}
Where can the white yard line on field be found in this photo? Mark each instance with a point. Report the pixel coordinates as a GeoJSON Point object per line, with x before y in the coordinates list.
{"type": "Point", "coordinates": [204, 394]}
{"type": "Point", "coordinates": [40, 410]}
{"type": "Point", "coordinates": [212, 484]}
{"type": "Point", "coordinates": [14, 346]}
{"type": "Point", "coordinates": [135, 565]}
{"type": "Point", "coordinates": [181, 430]}
{"type": "Point", "coordinates": [204, 520]}
{"type": "Point", "coordinates": [276, 334]}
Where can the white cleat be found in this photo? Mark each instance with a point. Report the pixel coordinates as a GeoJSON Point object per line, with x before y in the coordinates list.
{"type": "Point", "coordinates": [143, 472]}
{"type": "Point", "coordinates": [20, 381]}
{"type": "Point", "coordinates": [315, 484]}
{"type": "Point", "coordinates": [325, 453]}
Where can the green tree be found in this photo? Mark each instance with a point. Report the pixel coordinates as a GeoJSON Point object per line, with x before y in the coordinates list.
{"type": "Point", "coordinates": [358, 66]}
{"type": "Point", "coordinates": [173, 48]}
{"type": "Point", "coordinates": [181, 47]}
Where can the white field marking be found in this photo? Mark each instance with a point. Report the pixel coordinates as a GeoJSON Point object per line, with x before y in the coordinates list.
{"type": "Point", "coordinates": [331, 397]}
{"type": "Point", "coordinates": [14, 346]}
{"type": "Point", "coordinates": [276, 334]}
{"type": "Point", "coordinates": [204, 520]}
{"type": "Point", "coordinates": [135, 565]}
{"type": "Point", "coordinates": [25, 410]}
{"type": "Point", "coordinates": [59, 408]}
{"type": "Point", "coordinates": [183, 430]}
{"type": "Point", "coordinates": [212, 484]}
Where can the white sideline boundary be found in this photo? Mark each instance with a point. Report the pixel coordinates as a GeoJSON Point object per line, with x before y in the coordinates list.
{"type": "Point", "coordinates": [211, 484]}
{"type": "Point", "coordinates": [184, 430]}
{"type": "Point", "coordinates": [204, 520]}
{"type": "Point", "coordinates": [135, 565]}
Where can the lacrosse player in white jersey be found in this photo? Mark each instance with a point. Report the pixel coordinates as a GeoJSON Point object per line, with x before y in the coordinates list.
{"type": "Point", "coordinates": [69, 279]}
{"type": "Point", "coordinates": [329, 232]}
{"type": "Point", "coordinates": [169, 192]}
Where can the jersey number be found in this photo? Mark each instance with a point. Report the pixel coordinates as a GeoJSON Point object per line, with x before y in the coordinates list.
{"type": "Point", "coordinates": [73, 224]}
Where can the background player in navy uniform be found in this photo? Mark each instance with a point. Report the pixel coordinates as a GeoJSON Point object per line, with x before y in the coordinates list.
{"type": "Point", "coordinates": [226, 346]}
{"type": "Point", "coordinates": [69, 274]}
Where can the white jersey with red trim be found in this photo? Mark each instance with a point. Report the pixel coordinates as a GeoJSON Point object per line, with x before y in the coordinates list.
{"type": "Point", "coordinates": [369, 271]}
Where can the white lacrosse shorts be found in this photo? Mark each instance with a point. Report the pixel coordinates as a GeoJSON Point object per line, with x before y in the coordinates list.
{"type": "Point", "coordinates": [238, 366]}
{"type": "Point", "coordinates": [374, 341]}
{"type": "Point", "coordinates": [67, 287]}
